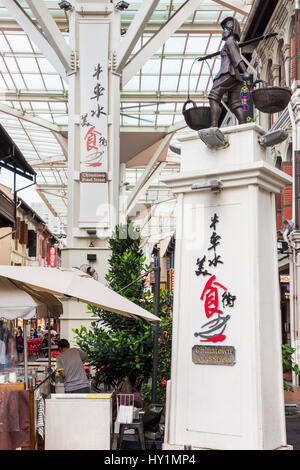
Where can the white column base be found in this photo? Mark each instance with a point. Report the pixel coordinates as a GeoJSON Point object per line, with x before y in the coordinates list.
{"type": "Point", "coordinates": [176, 447]}
{"type": "Point", "coordinates": [226, 391]}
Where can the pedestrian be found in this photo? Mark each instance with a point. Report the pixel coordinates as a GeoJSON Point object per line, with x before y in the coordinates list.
{"type": "Point", "coordinates": [8, 347]}
{"type": "Point", "coordinates": [71, 368]}
{"type": "Point", "coordinates": [45, 345]}
{"type": "Point", "coordinates": [35, 333]}
{"type": "Point", "coordinates": [19, 340]}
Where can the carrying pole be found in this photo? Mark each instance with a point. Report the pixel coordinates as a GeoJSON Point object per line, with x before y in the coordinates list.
{"type": "Point", "coordinates": [241, 44]}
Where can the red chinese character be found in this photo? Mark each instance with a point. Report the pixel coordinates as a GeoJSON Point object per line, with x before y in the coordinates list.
{"type": "Point", "coordinates": [90, 137]}
{"type": "Point", "coordinates": [211, 304]}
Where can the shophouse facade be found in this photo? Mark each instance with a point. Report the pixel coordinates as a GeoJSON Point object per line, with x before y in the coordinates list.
{"type": "Point", "coordinates": [277, 62]}
{"type": "Point", "coordinates": [29, 244]}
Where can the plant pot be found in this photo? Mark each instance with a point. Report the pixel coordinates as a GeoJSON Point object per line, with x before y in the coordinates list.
{"type": "Point", "coordinates": [271, 99]}
{"type": "Point", "coordinates": [196, 117]}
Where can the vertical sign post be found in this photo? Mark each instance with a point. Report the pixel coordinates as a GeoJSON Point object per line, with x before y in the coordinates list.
{"type": "Point", "coordinates": [93, 124]}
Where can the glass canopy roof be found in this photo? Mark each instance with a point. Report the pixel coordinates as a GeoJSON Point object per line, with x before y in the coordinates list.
{"type": "Point", "coordinates": [34, 98]}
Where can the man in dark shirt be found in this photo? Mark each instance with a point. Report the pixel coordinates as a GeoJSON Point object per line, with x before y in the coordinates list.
{"type": "Point", "coordinates": [230, 76]}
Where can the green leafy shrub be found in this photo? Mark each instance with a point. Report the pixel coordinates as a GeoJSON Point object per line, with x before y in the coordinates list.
{"type": "Point", "coordinates": [117, 345]}
{"type": "Point", "coordinates": [288, 364]}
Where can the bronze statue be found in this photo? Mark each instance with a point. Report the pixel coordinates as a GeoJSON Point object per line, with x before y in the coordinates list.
{"type": "Point", "coordinates": [232, 74]}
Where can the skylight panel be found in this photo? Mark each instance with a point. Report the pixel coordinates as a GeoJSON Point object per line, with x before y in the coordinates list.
{"type": "Point", "coordinates": [164, 120]}
{"type": "Point", "coordinates": [27, 65]}
{"type": "Point", "coordinates": [11, 65]}
{"type": "Point", "coordinates": [171, 66]}
{"type": "Point", "coordinates": [133, 84]}
{"type": "Point", "coordinates": [214, 44]}
{"type": "Point", "coordinates": [152, 66]}
{"type": "Point", "coordinates": [197, 44]}
{"type": "Point", "coordinates": [206, 16]}
{"type": "Point", "coordinates": [168, 83]}
{"type": "Point", "coordinates": [3, 86]}
{"type": "Point", "coordinates": [45, 66]}
{"type": "Point", "coordinates": [18, 80]}
{"type": "Point", "coordinates": [8, 81]}
{"type": "Point", "coordinates": [19, 43]}
{"type": "Point", "coordinates": [52, 82]}
{"type": "Point", "coordinates": [34, 82]}
{"type": "Point", "coordinates": [183, 84]}
{"type": "Point", "coordinates": [4, 47]}
{"type": "Point", "coordinates": [149, 83]}
{"type": "Point", "coordinates": [175, 44]}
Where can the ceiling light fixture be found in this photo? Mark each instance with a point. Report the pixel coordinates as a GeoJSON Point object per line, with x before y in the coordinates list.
{"type": "Point", "coordinates": [64, 5]}
{"type": "Point", "coordinates": [122, 5]}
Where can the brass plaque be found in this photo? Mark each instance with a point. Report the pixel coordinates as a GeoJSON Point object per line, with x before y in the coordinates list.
{"type": "Point", "coordinates": [214, 355]}
{"type": "Point", "coordinates": [93, 177]}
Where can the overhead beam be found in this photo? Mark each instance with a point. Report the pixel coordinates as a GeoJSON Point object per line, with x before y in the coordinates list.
{"type": "Point", "coordinates": [155, 174]}
{"type": "Point", "coordinates": [31, 95]}
{"type": "Point", "coordinates": [26, 117]}
{"type": "Point", "coordinates": [35, 35]}
{"type": "Point", "coordinates": [203, 27]}
{"type": "Point", "coordinates": [152, 46]}
{"type": "Point", "coordinates": [237, 5]}
{"type": "Point", "coordinates": [135, 31]}
{"type": "Point", "coordinates": [49, 163]}
{"type": "Point", "coordinates": [52, 187]}
{"type": "Point", "coordinates": [147, 173]}
{"type": "Point", "coordinates": [63, 142]}
{"type": "Point", "coordinates": [52, 32]}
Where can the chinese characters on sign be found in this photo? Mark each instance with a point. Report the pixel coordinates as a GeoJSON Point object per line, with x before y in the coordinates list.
{"type": "Point", "coordinates": [94, 140]}
{"type": "Point", "coordinates": [94, 110]}
{"type": "Point", "coordinates": [215, 296]}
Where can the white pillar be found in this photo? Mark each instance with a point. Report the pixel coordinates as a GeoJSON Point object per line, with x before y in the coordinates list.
{"type": "Point", "coordinates": [93, 142]}
{"type": "Point", "coordinates": [226, 388]}
{"type": "Point", "coordinates": [94, 122]}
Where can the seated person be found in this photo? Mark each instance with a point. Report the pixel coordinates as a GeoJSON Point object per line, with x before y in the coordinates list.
{"type": "Point", "coordinates": [125, 388]}
{"type": "Point", "coordinates": [45, 345]}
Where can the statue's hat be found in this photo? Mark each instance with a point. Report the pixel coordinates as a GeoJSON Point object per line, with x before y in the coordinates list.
{"type": "Point", "coordinates": [236, 26]}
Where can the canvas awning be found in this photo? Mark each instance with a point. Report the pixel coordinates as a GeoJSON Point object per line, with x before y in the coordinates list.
{"type": "Point", "coordinates": [74, 284]}
{"type": "Point", "coordinates": [19, 303]}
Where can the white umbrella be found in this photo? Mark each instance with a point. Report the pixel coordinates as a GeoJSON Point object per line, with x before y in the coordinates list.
{"type": "Point", "coordinates": [74, 284]}
{"type": "Point", "coordinates": [16, 302]}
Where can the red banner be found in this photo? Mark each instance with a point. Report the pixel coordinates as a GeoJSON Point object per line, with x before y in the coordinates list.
{"type": "Point", "coordinates": [52, 256]}
{"type": "Point", "coordinates": [172, 275]}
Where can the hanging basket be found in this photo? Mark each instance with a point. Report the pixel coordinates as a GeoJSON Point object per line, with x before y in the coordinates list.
{"type": "Point", "coordinates": [270, 99]}
{"type": "Point", "coordinates": [196, 117]}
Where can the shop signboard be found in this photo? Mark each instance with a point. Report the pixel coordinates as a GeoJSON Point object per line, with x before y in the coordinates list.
{"type": "Point", "coordinates": [94, 125]}
{"type": "Point", "coordinates": [172, 277]}
{"type": "Point", "coordinates": [214, 355]}
{"type": "Point", "coordinates": [285, 278]}
{"type": "Point", "coordinates": [52, 256]}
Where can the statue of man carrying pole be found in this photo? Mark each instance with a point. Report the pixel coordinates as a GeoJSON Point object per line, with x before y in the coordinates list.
{"type": "Point", "coordinates": [232, 74]}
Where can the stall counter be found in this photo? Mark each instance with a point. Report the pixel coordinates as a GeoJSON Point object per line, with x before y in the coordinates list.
{"type": "Point", "coordinates": [78, 421]}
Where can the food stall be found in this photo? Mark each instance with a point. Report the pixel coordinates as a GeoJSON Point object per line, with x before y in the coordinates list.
{"type": "Point", "coordinates": [73, 420]}
{"type": "Point", "coordinates": [18, 381]}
